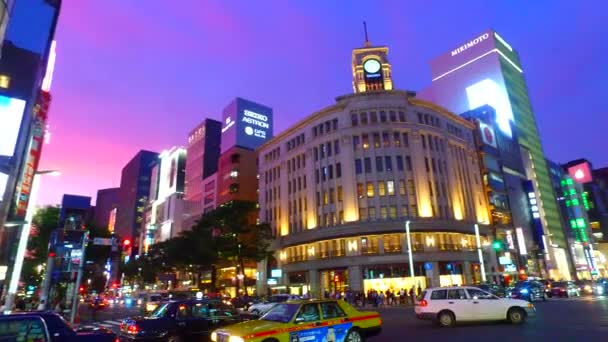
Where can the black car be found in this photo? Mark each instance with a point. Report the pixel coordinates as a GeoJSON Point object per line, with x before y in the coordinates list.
{"type": "Point", "coordinates": [47, 326]}
{"type": "Point", "coordinates": [529, 290]}
{"type": "Point", "coordinates": [184, 320]}
{"type": "Point", "coordinates": [497, 290]}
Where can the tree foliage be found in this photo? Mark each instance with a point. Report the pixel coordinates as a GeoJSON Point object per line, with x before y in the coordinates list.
{"type": "Point", "coordinates": [226, 235]}
{"type": "Point", "coordinates": [43, 224]}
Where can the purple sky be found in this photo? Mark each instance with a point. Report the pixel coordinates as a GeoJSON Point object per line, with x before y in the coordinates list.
{"type": "Point", "coordinates": [131, 76]}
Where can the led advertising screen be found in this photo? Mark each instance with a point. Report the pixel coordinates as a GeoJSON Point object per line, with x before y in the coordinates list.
{"type": "Point", "coordinates": [11, 115]}
{"type": "Point", "coordinates": [581, 173]}
{"type": "Point", "coordinates": [246, 124]}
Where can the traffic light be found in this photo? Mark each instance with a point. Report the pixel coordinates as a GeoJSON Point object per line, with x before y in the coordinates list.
{"type": "Point", "coordinates": [126, 242]}
{"type": "Point", "coordinates": [497, 245]}
{"type": "Point", "coordinates": [114, 285]}
{"type": "Point", "coordinates": [81, 289]}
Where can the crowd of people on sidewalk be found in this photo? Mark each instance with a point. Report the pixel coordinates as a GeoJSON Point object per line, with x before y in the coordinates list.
{"type": "Point", "coordinates": [376, 298]}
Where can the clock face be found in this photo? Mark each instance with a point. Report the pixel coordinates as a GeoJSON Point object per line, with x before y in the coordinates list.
{"type": "Point", "coordinates": [371, 66]}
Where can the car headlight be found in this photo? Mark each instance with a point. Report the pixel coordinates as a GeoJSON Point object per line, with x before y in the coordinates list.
{"type": "Point", "coordinates": [214, 336]}
{"type": "Point", "coordinates": [524, 291]}
{"type": "Point", "coordinates": [587, 287]}
{"type": "Point", "coordinates": [235, 339]}
{"type": "Point", "coordinates": [530, 306]}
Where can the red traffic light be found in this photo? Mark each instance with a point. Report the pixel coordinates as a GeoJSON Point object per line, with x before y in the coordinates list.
{"type": "Point", "coordinates": [114, 285]}
{"type": "Point", "coordinates": [126, 242]}
{"type": "Point", "coordinates": [81, 289]}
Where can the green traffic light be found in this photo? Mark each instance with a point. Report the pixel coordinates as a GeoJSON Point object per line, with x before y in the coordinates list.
{"type": "Point", "coordinates": [496, 245]}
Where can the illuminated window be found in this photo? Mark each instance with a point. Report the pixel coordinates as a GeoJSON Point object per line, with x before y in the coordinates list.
{"type": "Point", "coordinates": [370, 189]}
{"type": "Point", "coordinates": [5, 81]}
{"type": "Point", "coordinates": [383, 212]}
{"type": "Point", "coordinates": [392, 213]}
{"type": "Point", "coordinates": [390, 187]}
{"type": "Point", "coordinates": [365, 139]}
{"type": "Point", "coordinates": [402, 187]}
{"type": "Point", "coordinates": [376, 140]}
{"type": "Point", "coordinates": [325, 198]}
{"type": "Point", "coordinates": [397, 139]}
{"type": "Point", "coordinates": [381, 189]}
{"type": "Point", "coordinates": [339, 193]}
{"type": "Point", "coordinates": [360, 190]}
{"type": "Point", "coordinates": [372, 213]}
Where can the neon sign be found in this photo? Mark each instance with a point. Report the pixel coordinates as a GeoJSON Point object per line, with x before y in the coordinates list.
{"type": "Point", "coordinates": [470, 44]}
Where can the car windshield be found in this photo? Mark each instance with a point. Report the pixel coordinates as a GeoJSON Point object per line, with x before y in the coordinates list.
{"type": "Point", "coordinates": [160, 310]}
{"type": "Point", "coordinates": [155, 298]}
{"type": "Point", "coordinates": [559, 283]}
{"type": "Point", "coordinates": [281, 313]}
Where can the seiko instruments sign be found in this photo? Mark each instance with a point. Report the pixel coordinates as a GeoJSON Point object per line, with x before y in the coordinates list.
{"type": "Point", "coordinates": [470, 44]}
{"type": "Point", "coordinates": [258, 121]}
{"type": "Point", "coordinates": [246, 124]}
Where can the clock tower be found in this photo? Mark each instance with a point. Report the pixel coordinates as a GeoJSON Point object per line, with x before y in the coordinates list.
{"type": "Point", "coordinates": [371, 69]}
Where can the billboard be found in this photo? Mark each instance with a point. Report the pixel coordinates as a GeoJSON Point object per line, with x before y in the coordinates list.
{"type": "Point", "coordinates": [246, 124]}
{"type": "Point", "coordinates": [11, 115]}
{"type": "Point", "coordinates": [172, 172]}
{"type": "Point", "coordinates": [581, 173]}
{"type": "Point", "coordinates": [24, 187]}
{"type": "Point", "coordinates": [487, 134]}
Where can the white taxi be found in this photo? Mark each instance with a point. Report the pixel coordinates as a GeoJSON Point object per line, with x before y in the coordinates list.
{"type": "Point", "coordinates": [448, 305]}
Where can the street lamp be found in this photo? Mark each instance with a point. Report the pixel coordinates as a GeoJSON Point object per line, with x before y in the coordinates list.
{"type": "Point", "coordinates": [24, 237]}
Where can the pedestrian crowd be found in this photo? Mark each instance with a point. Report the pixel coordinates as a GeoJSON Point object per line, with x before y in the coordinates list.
{"type": "Point", "coordinates": [378, 298]}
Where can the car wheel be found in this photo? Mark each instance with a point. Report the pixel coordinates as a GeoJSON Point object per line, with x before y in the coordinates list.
{"type": "Point", "coordinates": [516, 316]}
{"type": "Point", "coordinates": [354, 336]}
{"type": "Point", "coordinates": [446, 319]}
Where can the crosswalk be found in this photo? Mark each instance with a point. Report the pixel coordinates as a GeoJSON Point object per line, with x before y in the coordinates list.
{"type": "Point", "coordinates": [110, 324]}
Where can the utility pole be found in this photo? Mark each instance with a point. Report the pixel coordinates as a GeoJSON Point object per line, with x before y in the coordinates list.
{"type": "Point", "coordinates": [46, 282]}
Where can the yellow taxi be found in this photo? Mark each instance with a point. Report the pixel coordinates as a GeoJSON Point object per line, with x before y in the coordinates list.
{"type": "Point", "coordinates": [305, 320]}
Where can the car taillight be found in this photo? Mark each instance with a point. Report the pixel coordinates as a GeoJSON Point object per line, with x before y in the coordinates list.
{"type": "Point", "coordinates": [132, 329]}
{"type": "Point", "coordinates": [423, 302]}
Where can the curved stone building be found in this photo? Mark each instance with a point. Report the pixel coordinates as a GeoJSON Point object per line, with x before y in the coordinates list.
{"type": "Point", "coordinates": [340, 187]}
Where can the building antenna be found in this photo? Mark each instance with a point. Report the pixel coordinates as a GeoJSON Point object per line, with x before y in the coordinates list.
{"type": "Point", "coordinates": [367, 44]}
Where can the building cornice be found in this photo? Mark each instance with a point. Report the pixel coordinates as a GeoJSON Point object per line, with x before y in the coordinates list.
{"type": "Point", "coordinates": [426, 104]}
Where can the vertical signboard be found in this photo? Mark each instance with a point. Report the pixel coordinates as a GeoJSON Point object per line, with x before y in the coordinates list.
{"type": "Point", "coordinates": [24, 187]}
{"type": "Point", "coordinates": [246, 124]}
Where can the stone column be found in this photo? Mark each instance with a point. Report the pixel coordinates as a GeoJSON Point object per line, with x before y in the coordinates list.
{"type": "Point", "coordinates": [432, 275]}
{"type": "Point", "coordinates": [355, 278]}
{"type": "Point", "coordinates": [261, 282]}
{"type": "Point", "coordinates": [315, 283]}
{"type": "Point", "coordinates": [466, 272]}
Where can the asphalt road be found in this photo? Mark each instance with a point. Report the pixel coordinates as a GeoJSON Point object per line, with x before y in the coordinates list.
{"type": "Point", "coordinates": [109, 317]}
{"type": "Point", "coordinates": [573, 319]}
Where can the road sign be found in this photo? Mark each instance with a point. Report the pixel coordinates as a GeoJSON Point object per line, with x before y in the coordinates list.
{"type": "Point", "coordinates": [102, 241]}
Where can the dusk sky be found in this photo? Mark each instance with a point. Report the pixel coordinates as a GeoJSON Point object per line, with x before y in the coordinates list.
{"type": "Point", "coordinates": [135, 74]}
